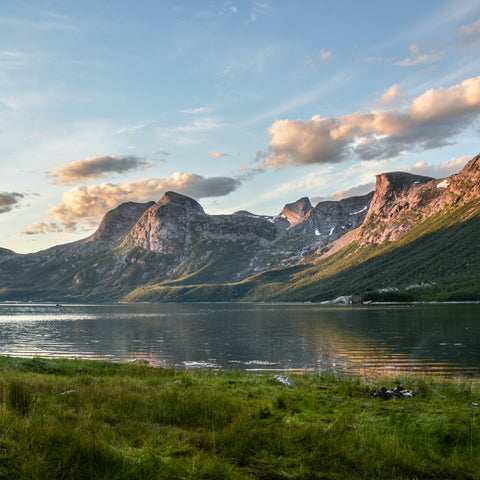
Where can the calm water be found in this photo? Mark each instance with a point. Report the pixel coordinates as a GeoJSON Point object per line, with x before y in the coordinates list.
{"type": "Point", "coordinates": [440, 339]}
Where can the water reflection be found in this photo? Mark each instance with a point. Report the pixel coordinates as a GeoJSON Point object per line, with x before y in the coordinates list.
{"type": "Point", "coordinates": [440, 339]}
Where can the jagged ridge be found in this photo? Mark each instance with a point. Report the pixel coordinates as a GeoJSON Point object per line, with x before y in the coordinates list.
{"type": "Point", "coordinates": [173, 246]}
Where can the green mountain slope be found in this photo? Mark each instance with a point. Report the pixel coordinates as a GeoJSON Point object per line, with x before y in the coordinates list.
{"type": "Point", "coordinates": [441, 251]}
{"type": "Point", "coordinates": [414, 238]}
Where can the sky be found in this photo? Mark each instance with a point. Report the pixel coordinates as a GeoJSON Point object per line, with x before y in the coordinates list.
{"type": "Point", "coordinates": [242, 105]}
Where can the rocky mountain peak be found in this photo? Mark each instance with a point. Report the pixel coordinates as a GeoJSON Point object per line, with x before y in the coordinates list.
{"type": "Point", "coordinates": [393, 187]}
{"type": "Point", "coordinates": [244, 213]}
{"type": "Point", "coordinates": [181, 200]}
{"type": "Point", "coordinates": [330, 220]}
{"type": "Point", "coordinates": [116, 223]}
{"type": "Point", "coordinates": [397, 182]}
{"type": "Point", "coordinates": [472, 167]}
{"type": "Point", "coordinates": [296, 212]}
{"type": "Point", "coordinates": [168, 225]}
{"type": "Point", "coordinates": [403, 200]}
{"type": "Point", "coordinates": [466, 184]}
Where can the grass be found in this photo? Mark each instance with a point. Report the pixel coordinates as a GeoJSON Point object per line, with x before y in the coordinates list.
{"type": "Point", "coordinates": [80, 419]}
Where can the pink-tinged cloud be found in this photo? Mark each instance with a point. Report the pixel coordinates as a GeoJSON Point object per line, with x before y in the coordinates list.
{"type": "Point", "coordinates": [326, 54]}
{"type": "Point", "coordinates": [37, 228]}
{"type": "Point", "coordinates": [431, 120]}
{"type": "Point", "coordinates": [219, 154]}
{"type": "Point", "coordinates": [359, 190]}
{"type": "Point", "coordinates": [82, 207]}
{"type": "Point", "coordinates": [418, 57]}
{"type": "Point", "coordinates": [441, 170]}
{"type": "Point", "coordinates": [391, 98]}
{"type": "Point", "coordinates": [94, 167]}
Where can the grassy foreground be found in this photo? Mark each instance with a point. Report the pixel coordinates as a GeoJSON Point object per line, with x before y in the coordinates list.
{"type": "Point", "coordinates": [73, 419]}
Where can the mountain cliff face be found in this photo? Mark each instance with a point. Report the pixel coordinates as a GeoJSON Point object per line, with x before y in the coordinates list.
{"type": "Point", "coordinates": [173, 250]}
{"type": "Point", "coordinates": [296, 212]}
{"type": "Point", "coordinates": [117, 223]}
{"type": "Point", "coordinates": [332, 219]}
{"type": "Point", "coordinates": [402, 201]}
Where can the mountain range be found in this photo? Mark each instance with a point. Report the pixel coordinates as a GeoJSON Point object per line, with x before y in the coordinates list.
{"type": "Point", "coordinates": [413, 238]}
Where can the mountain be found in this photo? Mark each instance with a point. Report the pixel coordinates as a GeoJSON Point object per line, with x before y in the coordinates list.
{"type": "Point", "coordinates": [5, 253]}
{"type": "Point", "coordinates": [117, 223]}
{"type": "Point", "coordinates": [414, 237]}
{"type": "Point", "coordinates": [296, 212]}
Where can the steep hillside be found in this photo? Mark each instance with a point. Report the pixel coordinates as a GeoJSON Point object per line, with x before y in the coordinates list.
{"type": "Point", "coordinates": [413, 238]}
{"type": "Point", "coordinates": [394, 255]}
{"type": "Point", "coordinates": [47, 274]}
{"type": "Point", "coordinates": [403, 200]}
{"type": "Point", "coordinates": [172, 240]}
{"type": "Point", "coordinates": [296, 212]}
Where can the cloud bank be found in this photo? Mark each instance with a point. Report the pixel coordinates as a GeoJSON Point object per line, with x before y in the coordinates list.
{"type": "Point", "coordinates": [82, 207]}
{"type": "Point", "coordinates": [431, 120]}
{"type": "Point", "coordinates": [94, 167]}
{"type": "Point", "coordinates": [8, 200]}
{"type": "Point", "coordinates": [441, 170]}
{"type": "Point", "coordinates": [357, 191]}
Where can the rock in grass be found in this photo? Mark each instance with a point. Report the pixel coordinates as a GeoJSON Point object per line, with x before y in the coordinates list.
{"type": "Point", "coordinates": [141, 361]}
{"type": "Point", "coordinates": [280, 379]}
{"type": "Point", "coordinates": [69, 392]}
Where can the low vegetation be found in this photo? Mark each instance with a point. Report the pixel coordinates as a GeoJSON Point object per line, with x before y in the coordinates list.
{"type": "Point", "coordinates": [72, 419]}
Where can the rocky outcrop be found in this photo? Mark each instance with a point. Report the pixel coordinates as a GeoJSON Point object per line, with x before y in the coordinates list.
{"type": "Point", "coordinates": [296, 212]}
{"type": "Point", "coordinates": [332, 219]}
{"type": "Point", "coordinates": [175, 224]}
{"type": "Point", "coordinates": [117, 223]}
{"type": "Point", "coordinates": [168, 226]}
{"type": "Point", "coordinates": [403, 200]}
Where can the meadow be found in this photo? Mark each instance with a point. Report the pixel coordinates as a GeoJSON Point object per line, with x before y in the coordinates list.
{"type": "Point", "coordinates": [78, 419]}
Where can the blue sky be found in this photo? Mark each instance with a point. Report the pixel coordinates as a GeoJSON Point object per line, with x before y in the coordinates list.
{"type": "Point", "coordinates": [239, 104]}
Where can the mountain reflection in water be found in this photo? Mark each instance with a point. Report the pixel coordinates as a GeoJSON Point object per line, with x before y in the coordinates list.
{"type": "Point", "coordinates": [425, 339]}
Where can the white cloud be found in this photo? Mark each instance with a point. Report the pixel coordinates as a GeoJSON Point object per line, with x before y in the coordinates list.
{"type": "Point", "coordinates": [431, 120]}
{"type": "Point", "coordinates": [192, 132]}
{"type": "Point", "coordinates": [134, 128]}
{"type": "Point", "coordinates": [82, 207]}
{"type": "Point", "coordinates": [259, 9]}
{"type": "Point", "coordinates": [49, 22]}
{"type": "Point", "coordinates": [419, 57]}
{"type": "Point", "coordinates": [197, 111]}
